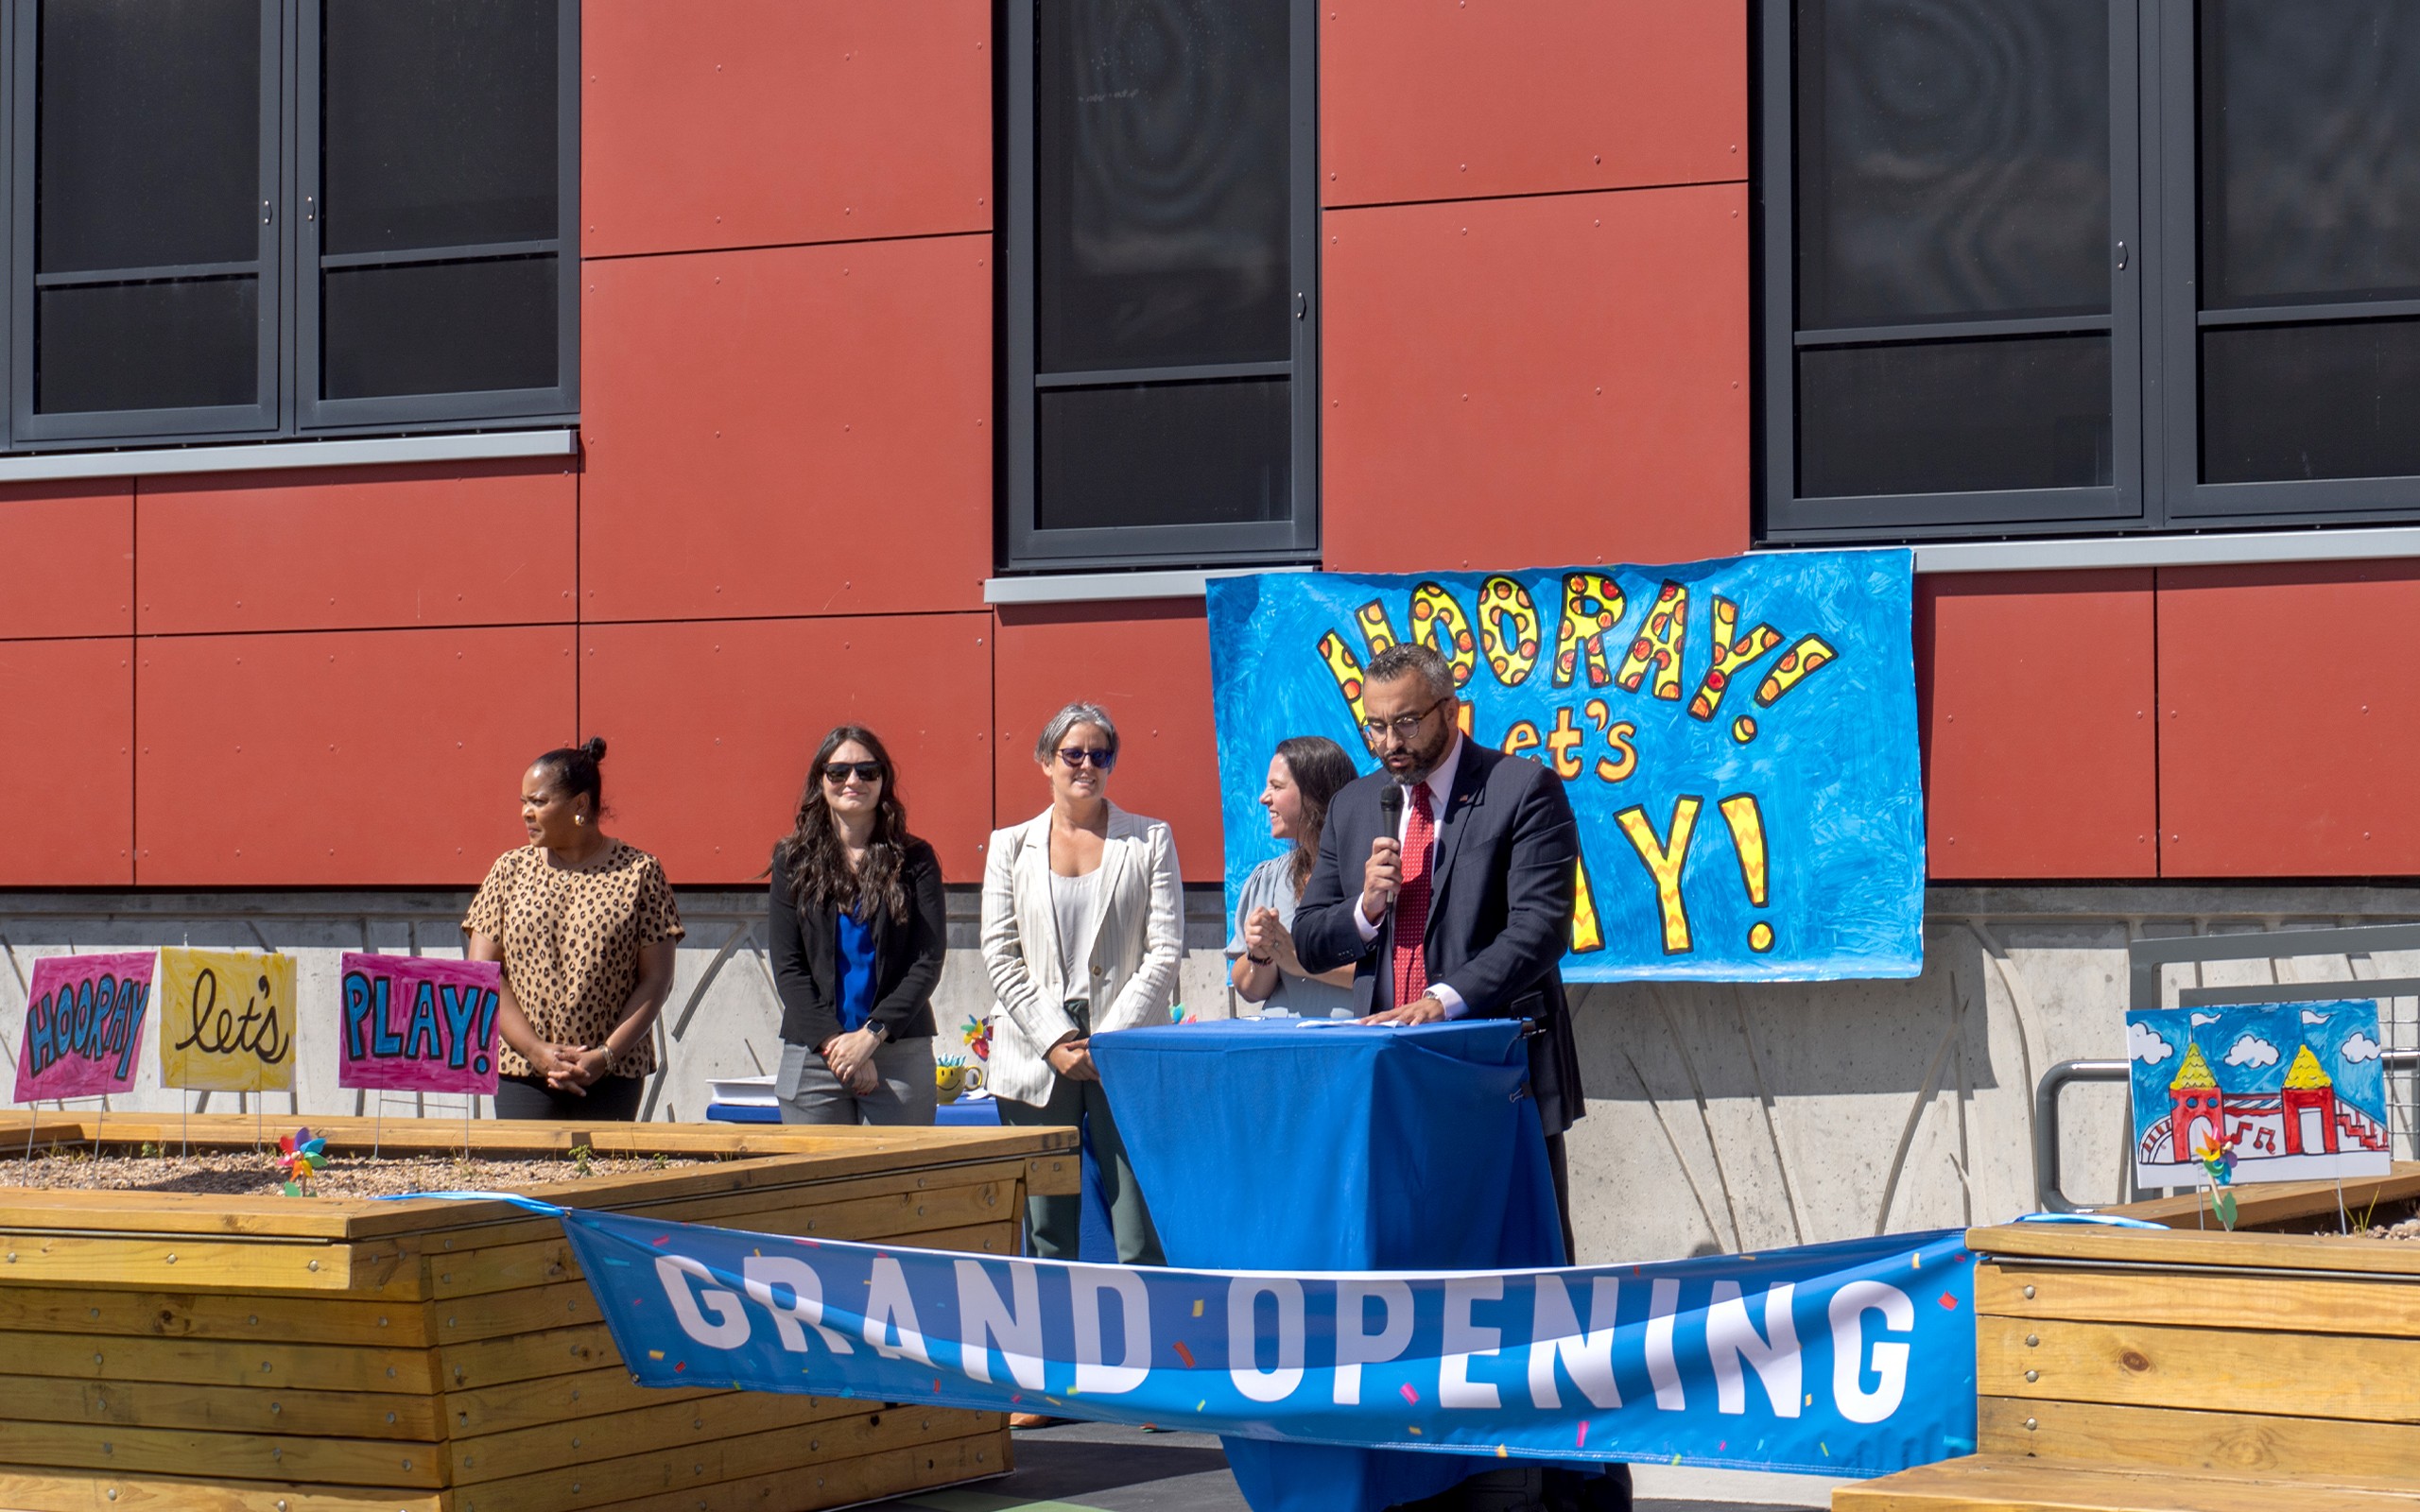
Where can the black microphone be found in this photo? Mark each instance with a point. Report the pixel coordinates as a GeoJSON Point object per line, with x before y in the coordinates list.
{"type": "Point", "coordinates": [1391, 810]}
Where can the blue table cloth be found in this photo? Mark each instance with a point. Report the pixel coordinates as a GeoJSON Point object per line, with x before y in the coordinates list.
{"type": "Point", "coordinates": [967, 1112]}
{"type": "Point", "coordinates": [1309, 1145]}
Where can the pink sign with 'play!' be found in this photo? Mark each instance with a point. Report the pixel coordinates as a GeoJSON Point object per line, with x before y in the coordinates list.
{"type": "Point", "coordinates": [413, 1025]}
{"type": "Point", "coordinates": [83, 1025]}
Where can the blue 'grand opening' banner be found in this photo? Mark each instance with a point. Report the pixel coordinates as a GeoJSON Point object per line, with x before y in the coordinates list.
{"type": "Point", "coordinates": [1737, 737]}
{"type": "Point", "coordinates": [1845, 1359]}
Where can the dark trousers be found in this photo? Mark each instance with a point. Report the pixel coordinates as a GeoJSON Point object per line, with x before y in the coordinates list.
{"type": "Point", "coordinates": [1561, 1170]}
{"type": "Point", "coordinates": [609, 1100]}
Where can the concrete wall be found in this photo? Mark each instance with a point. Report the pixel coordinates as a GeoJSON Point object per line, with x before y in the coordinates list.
{"type": "Point", "coordinates": [1721, 1118]}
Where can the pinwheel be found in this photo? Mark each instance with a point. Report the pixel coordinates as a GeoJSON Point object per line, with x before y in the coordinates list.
{"type": "Point", "coordinates": [301, 1157]}
{"type": "Point", "coordinates": [2217, 1155]}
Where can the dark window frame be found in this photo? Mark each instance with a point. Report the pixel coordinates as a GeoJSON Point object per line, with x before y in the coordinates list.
{"type": "Point", "coordinates": [288, 407]}
{"type": "Point", "coordinates": [321, 416]}
{"type": "Point", "coordinates": [82, 429]}
{"type": "Point", "coordinates": [2155, 323]}
{"type": "Point", "coordinates": [1025, 546]}
{"type": "Point", "coordinates": [2191, 502]}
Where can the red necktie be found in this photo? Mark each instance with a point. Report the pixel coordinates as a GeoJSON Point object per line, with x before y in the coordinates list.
{"type": "Point", "coordinates": [1411, 902]}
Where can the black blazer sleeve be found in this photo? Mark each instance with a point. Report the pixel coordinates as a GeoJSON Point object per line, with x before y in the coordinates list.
{"type": "Point", "coordinates": [922, 939]}
{"type": "Point", "coordinates": [1325, 935]}
{"type": "Point", "coordinates": [1542, 861]}
{"type": "Point", "coordinates": [809, 1015]}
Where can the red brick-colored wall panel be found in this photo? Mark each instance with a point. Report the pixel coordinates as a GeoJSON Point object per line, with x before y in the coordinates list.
{"type": "Point", "coordinates": [69, 550]}
{"type": "Point", "coordinates": [793, 431]}
{"type": "Point", "coordinates": [1148, 664]}
{"type": "Point", "coordinates": [341, 759]}
{"type": "Point", "coordinates": [359, 548]}
{"type": "Point", "coordinates": [712, 724]}
{"type": "Point", "coordinates": [758, 123]}
{"type": "Point", "coordinates": [2289, 726]}
{"type": "Point", "coordinates": [1525, 382]}
{"type": "Point", "coordinates": [67, 768]}
{"type": "Point", "coordinates": [1455, 99]}
{"type": "Point", "coordinates": [2037, 697]}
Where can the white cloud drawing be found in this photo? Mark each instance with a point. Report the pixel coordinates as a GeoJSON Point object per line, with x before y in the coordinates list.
{"type": "Point", "coordinates": [2253, 1050]}
{"type": "Point", "coordinates": [2143, 1043]}
{"type": "Point", "coordinates": [2360, 1048]}
{"type": "Point", "coordinates": [2312, 1021]}
{"type": "Point", "coordinates": [2200, 1019]}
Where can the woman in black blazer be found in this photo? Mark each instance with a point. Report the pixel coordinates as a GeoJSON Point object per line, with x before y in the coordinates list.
{"type": "Point", "coordinates": [858, 927]}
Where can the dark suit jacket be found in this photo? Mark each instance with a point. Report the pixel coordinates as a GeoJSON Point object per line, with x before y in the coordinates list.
{"type": "Point", "coordinates": [1500, 910]}
{"type": "Point", "coordinates": [907, 956]}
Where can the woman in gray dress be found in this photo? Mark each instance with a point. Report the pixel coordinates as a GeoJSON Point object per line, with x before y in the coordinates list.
{"type": "Point", "coordinates": [1303, 776]}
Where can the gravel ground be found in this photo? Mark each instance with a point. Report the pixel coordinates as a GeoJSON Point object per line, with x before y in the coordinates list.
{"type": "Point", "coordinates": [246, 1173]}
{"type": "Point", "coordinates": [2397, 1220]}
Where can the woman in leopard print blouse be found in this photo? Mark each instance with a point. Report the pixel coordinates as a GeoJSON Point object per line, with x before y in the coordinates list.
{"type": "Point", "coordinates": [585, 926]}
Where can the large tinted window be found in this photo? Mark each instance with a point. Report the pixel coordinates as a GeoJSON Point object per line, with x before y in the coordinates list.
{"type": "Point", "coordinates": [440, 195]}
{"type": "Point", "coordinates": [1953, 159]}
{"type": "Point", "coordinates": [1160, 269]}
{"type": "Point", "coordinates": [2052, 265]}
{"type": "Point", "coordinates": [263, 217]}
{"type": "Point", "coordinates": [150, 189]}
{"type": "Point", "coordinates": [1953, 326]}
{"type": "Point", "coordinates": [1162, 216]}
{"type": "Point", "coordinates": [2309, 229]}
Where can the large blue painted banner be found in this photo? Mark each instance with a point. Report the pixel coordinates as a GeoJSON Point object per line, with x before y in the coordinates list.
{"type": "Point", "coordinates": [1845, 1359]}
{"type": "Point", "coordinates": [1739, 738]}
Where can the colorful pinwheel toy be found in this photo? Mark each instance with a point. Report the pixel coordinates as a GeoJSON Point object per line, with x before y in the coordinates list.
{"type": "Point", "coordinates": [301, 1157]}
{"type": "Point", "coordinates": [2217, 1155]}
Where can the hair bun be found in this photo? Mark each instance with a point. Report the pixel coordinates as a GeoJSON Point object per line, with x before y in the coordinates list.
{"type": "Point", "coordinates": [592, 748]}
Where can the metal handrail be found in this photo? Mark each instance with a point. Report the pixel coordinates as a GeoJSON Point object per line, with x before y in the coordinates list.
{"type": "Point", "coordinates": [2047, 1196]}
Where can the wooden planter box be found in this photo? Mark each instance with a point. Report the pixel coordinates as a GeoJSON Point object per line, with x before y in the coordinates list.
{"type": "Point", "coordinates": [281, 1354]}
{"type": "Point", "coordinates": [2194, 1369]}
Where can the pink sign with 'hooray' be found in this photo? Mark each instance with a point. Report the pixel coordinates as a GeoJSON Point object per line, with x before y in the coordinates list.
{"type": "Point", "coordinates": [83, 1025]}
{"type": "Point", "coordinates": [412, 1025]}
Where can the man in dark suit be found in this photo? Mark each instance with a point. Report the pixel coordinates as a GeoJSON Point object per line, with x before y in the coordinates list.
{"type": "Point", "coordinates": [1490, 879]}
{"type": "Point", "coordinates": [1460, 908]}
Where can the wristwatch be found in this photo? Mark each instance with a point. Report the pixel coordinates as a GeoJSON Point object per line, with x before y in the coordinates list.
{"type": "Point", "coordinates": [882, 1036]}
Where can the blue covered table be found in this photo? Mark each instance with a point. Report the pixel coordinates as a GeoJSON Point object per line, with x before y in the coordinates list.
{"type": "Point", "coordinates": [1307, 1145]}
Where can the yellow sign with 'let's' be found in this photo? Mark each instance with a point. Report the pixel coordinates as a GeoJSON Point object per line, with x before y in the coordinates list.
{"type": "Point", "coordinates": [225, 1021]}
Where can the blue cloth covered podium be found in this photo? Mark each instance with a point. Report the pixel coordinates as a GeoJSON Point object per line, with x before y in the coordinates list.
{"type": "Point", "coordinates": [1309, 1145]}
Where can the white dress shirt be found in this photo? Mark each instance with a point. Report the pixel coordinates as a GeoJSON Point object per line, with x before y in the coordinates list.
{"type": "Point", "coordinates": [1440, 784]}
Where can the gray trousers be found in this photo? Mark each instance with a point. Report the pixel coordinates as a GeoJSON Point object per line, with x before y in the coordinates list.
{"type": "Point", "coordinates": [906, 1093]}
{"type": "Point", "coordinates": [1057, 1222]}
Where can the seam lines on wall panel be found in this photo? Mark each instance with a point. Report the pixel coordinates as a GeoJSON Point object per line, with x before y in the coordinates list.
{"type": "Point", "coordinates": [135, 683]}
{"type": "Point", "coordinates": [2159, 777]}
{"type": "Point", "coordinates": [579, 624]}
{"type": "Point", "coordinates": [775, 247]}
{"type": "Point", "coordinates": [1536, 194]}
{"type": "Point", "coordinates": [133, 755]}
{"type": "Point", "coordinates": [344, 629]}
{"type": "Point", "coordinates": [977, 608]}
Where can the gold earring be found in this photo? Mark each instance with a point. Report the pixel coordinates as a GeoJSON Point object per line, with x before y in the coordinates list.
{"type": "Point", "coordinates": [580, 818]}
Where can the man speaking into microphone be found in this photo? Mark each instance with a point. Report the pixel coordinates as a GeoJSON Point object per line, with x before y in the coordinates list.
{"type": "Point", "coordinates": [1462, 863]}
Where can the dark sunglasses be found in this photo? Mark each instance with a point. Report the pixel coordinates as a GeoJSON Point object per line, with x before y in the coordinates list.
{"type": "Point", "coordinates": [1104, 760]}
{"type": "Point", "coordinates": [838, 772]}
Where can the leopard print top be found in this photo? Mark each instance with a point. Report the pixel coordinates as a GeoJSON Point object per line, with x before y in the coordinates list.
{"type": "Point", "coordinates": [572, 938]}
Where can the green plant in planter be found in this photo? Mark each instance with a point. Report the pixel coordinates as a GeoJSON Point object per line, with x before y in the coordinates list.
{"type": "Point", "coordinates": [582, 1161]}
